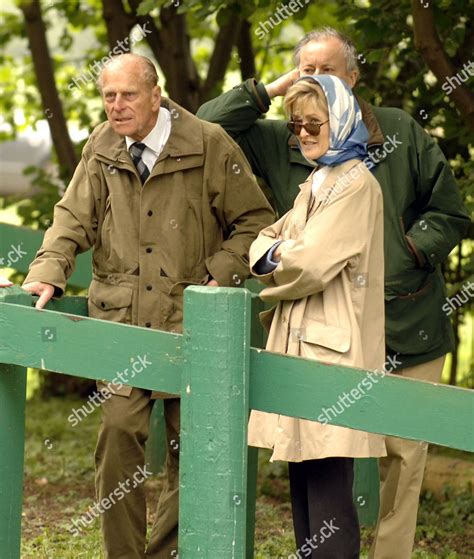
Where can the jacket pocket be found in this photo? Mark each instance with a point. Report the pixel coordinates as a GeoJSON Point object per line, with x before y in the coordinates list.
{"type": "Point", "coordinates": [330, 337]}
{"type": "Point", "coordinates": [110, 302]}
{"type": "Point", "coordinates": [414, 319]}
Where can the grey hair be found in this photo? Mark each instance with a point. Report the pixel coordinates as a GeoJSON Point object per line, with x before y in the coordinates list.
{"type": "Point", "coordinates": [325, 33]}
{"type": "Point", "coordinates": [149, 75]}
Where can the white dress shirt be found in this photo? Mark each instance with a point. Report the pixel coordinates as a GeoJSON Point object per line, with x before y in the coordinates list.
{"type": "Point", "coordinates": [155, 141]}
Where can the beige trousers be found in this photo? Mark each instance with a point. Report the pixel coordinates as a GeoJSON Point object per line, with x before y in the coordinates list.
{"type": "Point", "coordinates": [120, 454]}
{"type": "Point", "coordinates": [401, 476]}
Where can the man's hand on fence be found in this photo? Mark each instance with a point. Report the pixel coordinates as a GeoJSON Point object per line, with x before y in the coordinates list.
{"type": "Point", "coordinates": [44, 290]}
{"type": "Point", "coordinates": [212, 283]}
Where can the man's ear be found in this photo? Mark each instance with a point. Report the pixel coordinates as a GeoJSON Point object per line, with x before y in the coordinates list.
{"type": "Point", "coordinates": [156, 97]}
{"type": "Point", "coordinates": [354, 78]}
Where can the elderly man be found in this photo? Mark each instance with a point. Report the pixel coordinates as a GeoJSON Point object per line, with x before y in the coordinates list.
{"type": "Point", "coordinates": [166, 201]}
{"type": "Point", "coordinates": [424, 220]}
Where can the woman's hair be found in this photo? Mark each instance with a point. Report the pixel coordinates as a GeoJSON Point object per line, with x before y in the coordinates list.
{"type": "Point", "coordinates": [301, 93]}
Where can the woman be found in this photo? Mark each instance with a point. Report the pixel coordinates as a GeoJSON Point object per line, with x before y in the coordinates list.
{"type": "Point", "coordinates": [322, 263]}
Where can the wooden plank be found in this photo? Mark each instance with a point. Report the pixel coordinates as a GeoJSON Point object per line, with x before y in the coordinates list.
{"type": "Point", "coordinates": [214, 415]}
{"type": "Point", "coordinates": [394, 406]}
{"type": "Point", "coordinates": [85, 347]}
{"type": "Point", "coordinates": [19, 245]}
{"type": "Point", "coordinates": [12, 442]}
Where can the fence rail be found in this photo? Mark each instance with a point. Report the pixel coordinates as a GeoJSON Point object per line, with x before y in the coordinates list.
{"type": "Point", "coordinates": [213, 367]}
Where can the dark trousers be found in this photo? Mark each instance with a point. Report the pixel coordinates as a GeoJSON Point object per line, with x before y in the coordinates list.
{"type": "Point", "coordinates": [324, 515]}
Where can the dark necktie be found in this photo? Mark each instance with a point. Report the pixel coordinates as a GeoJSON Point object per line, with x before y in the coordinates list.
{"type": "Point", "coordinates": [136, 151]}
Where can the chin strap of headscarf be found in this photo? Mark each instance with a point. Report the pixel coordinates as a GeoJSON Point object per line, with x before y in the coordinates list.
{"type": "Point", "coordinates": [348, 134]}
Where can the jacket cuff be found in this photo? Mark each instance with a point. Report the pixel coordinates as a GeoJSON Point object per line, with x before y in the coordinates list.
{"type": "Point", "coordinates": [416, 253]}
{"type": "Point", "coordinates": [259, 93]}
{"type": "Point", "coordinates": [58, 282]}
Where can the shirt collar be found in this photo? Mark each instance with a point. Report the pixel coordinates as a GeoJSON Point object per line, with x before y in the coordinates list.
{"type": "Point", "coordinates": [154, 139]}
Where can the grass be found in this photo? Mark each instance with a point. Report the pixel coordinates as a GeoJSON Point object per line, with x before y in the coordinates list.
{"type": "Point", "coordinates": [59, 486]}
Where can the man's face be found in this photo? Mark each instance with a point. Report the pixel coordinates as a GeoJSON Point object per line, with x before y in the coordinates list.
{"type": "Point", "coordinates": [325, 57]}
{"type": "Point", "coordinates": [131, 104]}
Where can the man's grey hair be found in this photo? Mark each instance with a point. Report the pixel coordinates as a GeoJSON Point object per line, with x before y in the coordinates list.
{"type": "Point", "coordinates": [149, 73]}
{"type": "Point", "coordinates": [323, 34]}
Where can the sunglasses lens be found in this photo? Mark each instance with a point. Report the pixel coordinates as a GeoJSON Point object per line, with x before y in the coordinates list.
{"type": "Point", "coordinates": [313, 129]}
{"type": "Point", "coordinates": [294, 127]}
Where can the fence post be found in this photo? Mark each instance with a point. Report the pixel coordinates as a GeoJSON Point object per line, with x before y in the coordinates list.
{"type": "Point", "coordinates": [366, 490]}
{"type": "Point", "coordinates": [214, 415]}
{"type": "Point", "coordinates": [12, 439]}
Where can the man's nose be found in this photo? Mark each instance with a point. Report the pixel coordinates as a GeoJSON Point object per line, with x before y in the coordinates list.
{"type": "Point", "coordinates": [119, 103]}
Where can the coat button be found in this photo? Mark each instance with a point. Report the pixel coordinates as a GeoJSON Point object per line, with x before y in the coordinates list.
{"type": "Point", "coordinates": [178, 159]}
{"type": "Point", "coordinates": [149, 213]}
{"type": "Point", "coordinates": [149, 249]}
{"type": "Point", "coordinates": [148, 324]}
{"type": "Point", "coordinates": [149, 288]}
{"type": "Point", "coordinates": [102, 304]}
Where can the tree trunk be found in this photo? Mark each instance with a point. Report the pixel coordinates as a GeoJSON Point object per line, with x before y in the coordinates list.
{"type": "Point", "coordinates": [220, 58]}
{"type": "Point", "coordinates": [428, 43]}
{"type": "Point", "coordinates": [246, 53]}
{"type": "Point", "coordinates": [52, 108]}
{"type": "Point", "coordinates": [118, 24]}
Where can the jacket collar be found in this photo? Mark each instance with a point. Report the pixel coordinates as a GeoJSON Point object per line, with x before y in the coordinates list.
{"type": "Point", "coordinates": [335, 174]}
{"type": "Point", "coordinates": [185, 137]}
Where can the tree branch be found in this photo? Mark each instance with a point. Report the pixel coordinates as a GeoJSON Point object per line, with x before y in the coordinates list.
{"type": "Point", "coordinates": [246, 53]}
{"type": "Point", "coordinates": [221, 54]}
{"type": "Point", "coordinates": [428, 44]}
{"type": "Point", "coordinates": [118, 24]}
{"type": "Point", "coordinates": [52, 107]}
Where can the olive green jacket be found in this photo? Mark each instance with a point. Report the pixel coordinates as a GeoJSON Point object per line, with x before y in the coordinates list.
{"type": "Point", "coordinates": [424, 217]}
{"type": "Point", "coordinates": [194, 219]}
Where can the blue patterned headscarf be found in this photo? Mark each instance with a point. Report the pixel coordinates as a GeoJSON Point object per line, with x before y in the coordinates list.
{"type": "Point", "coordinates": [348, 134]}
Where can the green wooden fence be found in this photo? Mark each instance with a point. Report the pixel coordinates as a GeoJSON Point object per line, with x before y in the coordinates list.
{"type": "Point", "coordinates": [216, 364]}
{"type": "Point", "coordinates": [220, 377]}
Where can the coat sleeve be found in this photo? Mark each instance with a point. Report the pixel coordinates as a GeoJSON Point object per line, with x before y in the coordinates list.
{"type": "Point", "coordinates": [239, 112]}
{"type": "Point", "coordinates": [331, 240]}
{"type": "Point", "coordinates": [73, 231]}
{"type": "Point", "coordinates": [241, 209]}
{"type": "Point", "coordinates": [443, 219]}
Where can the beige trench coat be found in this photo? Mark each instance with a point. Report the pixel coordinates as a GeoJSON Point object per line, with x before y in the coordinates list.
{"type": "Point", "coordinates": [328, 288]}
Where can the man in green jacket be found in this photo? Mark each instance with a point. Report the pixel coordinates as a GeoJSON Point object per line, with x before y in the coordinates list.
{"type": "Point", "coordinates": [424, 219]}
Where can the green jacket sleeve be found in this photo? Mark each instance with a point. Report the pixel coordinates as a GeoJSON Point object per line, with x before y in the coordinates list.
{"type": "Point", "coordinates": [443, 218]}
{"type": "Point", "coordinates": [238, 111]}
{"type": "Point", "coordinates": [241, 209]}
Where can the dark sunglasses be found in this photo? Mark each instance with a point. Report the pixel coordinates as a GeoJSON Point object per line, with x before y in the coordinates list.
{"type": "Point", "coordinates": [312, 128]}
